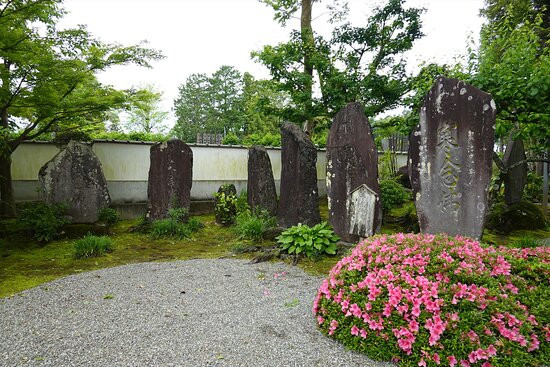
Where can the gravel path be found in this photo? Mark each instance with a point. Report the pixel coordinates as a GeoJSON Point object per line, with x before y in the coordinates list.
{"type": "Point", "coordinates": [184, 313]}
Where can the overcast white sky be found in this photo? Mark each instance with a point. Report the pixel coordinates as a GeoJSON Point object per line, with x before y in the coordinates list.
{"type": "Point", "coordinates": [198, 36]}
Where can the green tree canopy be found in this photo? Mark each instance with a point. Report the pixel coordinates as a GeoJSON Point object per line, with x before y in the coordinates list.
{"type": "Point", "coordinates": [357, 64]}
{"type": "Point", "coordinates": [48, 81]}
{"type": "Point", "coordinates": [145, 114]}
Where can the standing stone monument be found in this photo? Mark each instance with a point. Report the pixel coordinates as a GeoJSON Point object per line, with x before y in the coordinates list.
{"type": "Point", "coordinates": [516, 177]}
{"type": "Point", "coordinates": [450, 158]}
{"type": "Point", "coordinates": [170, 178]}
{"type": "Point", "coordinates": [361, 205]}
{"type": "Point", "coordinates": [352, 167]}
{"type": "Point", "coordinates": [261, 184]}
{"type": "Point", "coordinates": [299, 202]}
{"type": "Point", "coordinates": [74, 177]}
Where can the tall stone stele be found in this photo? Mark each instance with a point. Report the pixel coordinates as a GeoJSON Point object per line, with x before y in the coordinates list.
{"type": "Point", "coordinates": [298, 202]}
{"type": "Point", "coordinates": [75, 177]}
{"type": "Point", "coordinates": [450, 158]}
{"type": "Point", "coordinates": [261, 184]}
{"type": "Point", "coordinates": [352, 175]}
{"type": "Point", "coordinates": [516, 178]}
{"type": "Point", "coordinates": [170, 178]}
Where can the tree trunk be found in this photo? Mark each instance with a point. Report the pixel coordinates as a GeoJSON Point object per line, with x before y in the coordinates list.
{"type": "Point", "coordinates": [7, 201]}
{"type": "Point", "coordinates": [309, 45]}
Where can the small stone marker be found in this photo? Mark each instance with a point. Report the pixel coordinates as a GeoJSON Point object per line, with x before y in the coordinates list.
{"type": "Point", "coordinates": [352, 162]}
{"type": "Point", "coordinates": [261, 184]}
{"type": "Point", "coordinates": [170, 178]}
{"type": "Point", "coordinates": [75, 177]}
{"type": "Point", "coordinates": [361, 211]}
{"type": "Point", "coordinates": [516, 178]}
{"type": "Point", "coordinates": [298, 201]}
{"type": "Point", "coordinates": [450, 158]}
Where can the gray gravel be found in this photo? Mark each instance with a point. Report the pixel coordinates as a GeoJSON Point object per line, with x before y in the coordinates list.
{"type": "Point", "coordinates": [184, 313]}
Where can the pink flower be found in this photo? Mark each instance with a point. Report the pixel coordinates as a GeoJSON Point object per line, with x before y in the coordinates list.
{"type": "Point", "coordinates": [354, 330]}
{"type": "Point", "coordinates": [452, 361]}
{"type": "Point", "coordinates": [320, 319]}
{"type": "Point", "coordinates": [333, 327]}
{"type": "Point", "coordinates": [436, 358]}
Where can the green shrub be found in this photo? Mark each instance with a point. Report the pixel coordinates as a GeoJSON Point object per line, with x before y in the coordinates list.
{"type": "Point", "coordinates": [172, 228]}
{"type": "Point", "coordinates": [169, 228]}
{"type": "Point", "coordinates": [44, 221]}
{"type": "Point", "coordinates": [267, 140]}
{"type": "Point", "coordinates": [108, 216]}
{"type": "Point", "coordinates": [252, 226]}
{"type": "Point", "coordinates": [505, 218]}
{"type": "Point", "coordinates": [194, 225]}
{"type": "Point", "coordinates": [312, 241]}
{"type": "Point", "coordinates": [242, 202]}
{"type": "Point", "coordinates": [425, 300]}
{"type": "Point", "coordinates": [393, 194]}
{"type": "Point", "coordinates": [526, 242]}
{"type": "Point", "coordinates": [533, 188]}
{"type": "Point", "coordinates": [225, 208]}
{"type": "Point", "coordinates": [231, 139]}
{"type": "Point", "coordinates": [179, 214]}
{"type": "Point", "coordinates": [92, 246]}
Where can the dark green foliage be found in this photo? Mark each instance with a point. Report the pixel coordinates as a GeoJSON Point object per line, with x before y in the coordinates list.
{"type": "Point", "coordinates": [108, 216]}
{"type": "Point", "coordinates": [173, 228]}
{"type": "Point", "coordinates": [526, 242]}
{"type": "Point", "coordinates": [523, 215]}
{"type": "Point", "coordinates": [252, 226]}
{"type": "Point", "coordinates": [225, 209]}
{"type": "Point", "coordinates": [43, 221]}
{"type": "Point", "coordinates": [267, 140]}
{"type": "Point", "coordinates": [231, 139]}
{"type": "Point", "coordinates": [311, 241]}
{"type": "Point", "coordinates": [194, 225]}
{"type": "Point", "coordinates": [179, 214]}
{"type": "Point", "coordinates": [65, 137]}
{"type": "Point", "coordinates": [393, 194]}
{"type": "Point", "coordinates": [92, 246]}
{"type": "Point", "coordinates": [169, 228]}
{"type": "Point", "coordinates": [533, 188]}
{"type": "Point", "coordinates": [242, 202]}
{"type": "Point", "coordinates": [133, 136]}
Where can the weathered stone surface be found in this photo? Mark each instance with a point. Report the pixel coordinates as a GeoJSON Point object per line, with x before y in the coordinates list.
{"type": "Point", "coordinates": [403, 176]}
{"type": "Point", "coordinates": [225, 208]}
{"type": "Point", "coordinates": [261, 184]}
{"type": "Point", "coordinates": [74, 177]}
{"type": "Point", "coordinates": [361, 205]}
{"type": "Point", "coordinates": [298, 202]}
{"type": "Point", "coordinates": [352, 161]}
{"type": "Point", "coordinates": [170, 178]}
{"type": "Point", "coordinates": [450, 158]}
{"type": "Point", "coordinates": [516, 177]}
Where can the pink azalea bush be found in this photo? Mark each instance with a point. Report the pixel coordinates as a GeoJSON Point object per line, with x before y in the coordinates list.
{"type": "Point", "coordinates": [424, 300]}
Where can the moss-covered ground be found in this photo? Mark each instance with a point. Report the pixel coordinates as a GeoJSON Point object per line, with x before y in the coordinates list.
{"type": "Point", "coordinates": [25, 263]}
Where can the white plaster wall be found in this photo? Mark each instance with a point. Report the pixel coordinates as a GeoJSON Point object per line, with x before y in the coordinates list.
{"type": "Point", "coordinates": [126, 168]}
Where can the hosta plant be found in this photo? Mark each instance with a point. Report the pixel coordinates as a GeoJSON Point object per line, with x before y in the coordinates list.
{"type": "Point", "coordinates": [424, 300]}
{"type": "Point", "coordinates": [311, 241]}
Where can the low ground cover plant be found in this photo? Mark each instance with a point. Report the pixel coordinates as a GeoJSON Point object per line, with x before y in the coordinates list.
{"type": "Point", "coordinates": [109, 216]}
{"type": "Point", "coordinates": [392, 194]}
{"type": "Point", "coordinates": [424, 300]}
{"type": "Point", "coordinates": [225, 208]}
{"type": "Point", "coordinates": [92, 246]}
{"type": "Point", "coordinates": [44, 221]}
{"type": "Point", "coordinates": [311, 241]}
{"type": "Point", "coordinates": [178, 225]}
{"type": "Point", "coordinates": [252, 226]}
